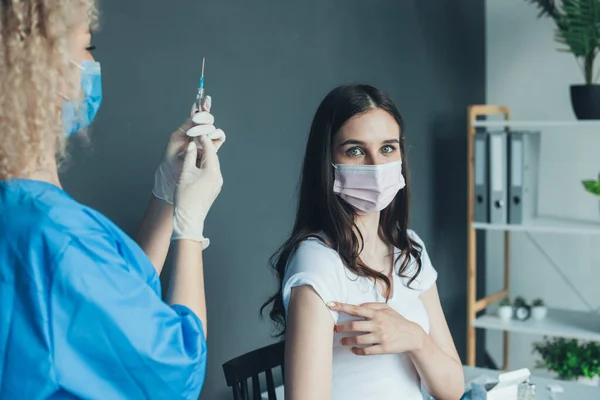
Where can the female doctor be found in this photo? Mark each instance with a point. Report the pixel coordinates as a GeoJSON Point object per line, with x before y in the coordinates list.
{"type": "Point", "coordinates": [80, 309]}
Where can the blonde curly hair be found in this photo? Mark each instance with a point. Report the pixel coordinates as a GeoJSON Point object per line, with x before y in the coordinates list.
{"type": "Point", "coordinates": [34, 70]}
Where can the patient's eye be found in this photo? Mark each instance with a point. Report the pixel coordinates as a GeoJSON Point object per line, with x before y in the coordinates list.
{"type": "Point", "coordinates": [354, 152]}
{"type": "Point", "coordinates": [388, 149]}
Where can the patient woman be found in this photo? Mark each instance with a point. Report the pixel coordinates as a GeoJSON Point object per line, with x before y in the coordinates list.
{"type": "Point", "coordinates": [358, 301]}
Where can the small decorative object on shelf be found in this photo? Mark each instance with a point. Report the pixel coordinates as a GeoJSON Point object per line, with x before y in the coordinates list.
{"type": "Point", "coordinates": [505, 311]}
{"type": "Point", "coordinates": [578, 28]}
{"type": "Point", "coordinates": [570, 359]}
{"type": "Point", "coordinates": [539, 309]}
{"type": "Point", "coordinates": [522, 309]}
{"type": "Point", "coordinates": [526, 391]}
{"type": "Point", "coordinates": [592, 186]}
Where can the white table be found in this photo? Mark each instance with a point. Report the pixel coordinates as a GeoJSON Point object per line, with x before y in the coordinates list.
{"type": "Point", "coordinates": [572, 391]}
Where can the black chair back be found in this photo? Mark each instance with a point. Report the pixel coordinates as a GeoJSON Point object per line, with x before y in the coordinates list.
{"type": "Point", "coordinates": [250, 366]}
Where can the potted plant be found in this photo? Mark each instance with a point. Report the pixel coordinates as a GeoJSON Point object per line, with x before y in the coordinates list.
{"type": "Point", "coordinates": [577, 30]}
{"type": "Point", "coordinates": [505, 311]}
{"type": "Point", "coordinates": [539, 309]}
{"type": "Point", "coordinates": [570, 359]}
{"type": "Point", "coordinates": [592, 186]}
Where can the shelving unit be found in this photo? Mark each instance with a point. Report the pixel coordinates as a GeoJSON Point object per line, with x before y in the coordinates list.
{"type": "Point", "coordinates": [559, 323]}
{"type": "Point", "coordinates": [507, 123]}
{"type": "Point", "coordinates": [547, 225]}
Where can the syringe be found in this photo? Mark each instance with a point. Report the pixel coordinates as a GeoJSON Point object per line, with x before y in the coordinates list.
{"type": "Point", "coordinates": [200, 94]}
{"type": "Point", "coordinates": [198, 105]}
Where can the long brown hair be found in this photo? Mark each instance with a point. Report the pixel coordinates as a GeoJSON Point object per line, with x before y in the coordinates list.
{"type": "Point", "coordinates": [322, 214]}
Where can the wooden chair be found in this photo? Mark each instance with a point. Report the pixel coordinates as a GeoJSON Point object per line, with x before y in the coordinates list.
{"type": "Point", "coordinates": [251, 365]}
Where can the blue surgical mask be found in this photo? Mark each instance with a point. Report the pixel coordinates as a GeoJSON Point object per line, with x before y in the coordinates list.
{"type": "Point", "coordinates": [79, 116]}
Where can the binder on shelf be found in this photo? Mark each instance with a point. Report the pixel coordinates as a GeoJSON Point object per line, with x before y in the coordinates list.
{"type": "Point", "coordinates": [498, 177]}
{"type": "Point", "coordinates": [481, 200]}
{"type": "Point", "coordinates": [523, 166]}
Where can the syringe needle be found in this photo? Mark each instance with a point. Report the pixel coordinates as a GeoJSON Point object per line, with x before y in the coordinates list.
{"type": "Point", "coordinates": [200, 93]}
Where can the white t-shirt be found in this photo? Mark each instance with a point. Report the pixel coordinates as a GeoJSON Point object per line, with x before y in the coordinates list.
{"type": "Point", "coordinates": [380, 377]}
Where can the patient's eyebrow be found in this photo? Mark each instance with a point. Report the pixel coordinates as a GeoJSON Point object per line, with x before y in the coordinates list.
{"type": "Point", "coordinates": [351, 141]}
{"type": "Point", "coordinates": [361, 143]}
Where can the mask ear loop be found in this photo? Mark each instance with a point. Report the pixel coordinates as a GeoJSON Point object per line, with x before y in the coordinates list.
{"type": "Point", "coordinates": [78, 65]}
{"type": "Point", "coordinates": [61, 94]}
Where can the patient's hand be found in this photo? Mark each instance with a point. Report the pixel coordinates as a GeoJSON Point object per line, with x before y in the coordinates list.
{"type": "Point", "coordinates": [384, 330]}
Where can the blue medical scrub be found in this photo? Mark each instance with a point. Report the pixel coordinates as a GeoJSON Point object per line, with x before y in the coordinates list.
{"type": "Point", "coordinates": [80, 309]}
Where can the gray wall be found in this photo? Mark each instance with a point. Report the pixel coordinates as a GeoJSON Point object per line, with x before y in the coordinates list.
{"type": "Point", "coordinates": [269, 63]}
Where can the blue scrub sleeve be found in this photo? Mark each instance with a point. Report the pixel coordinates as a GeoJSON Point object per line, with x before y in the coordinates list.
{"type": "Point", "coordinates": [113, 332]}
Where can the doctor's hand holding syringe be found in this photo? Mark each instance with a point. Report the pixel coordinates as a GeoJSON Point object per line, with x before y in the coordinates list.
{"type": "Point", "coordinates": [202, 120]}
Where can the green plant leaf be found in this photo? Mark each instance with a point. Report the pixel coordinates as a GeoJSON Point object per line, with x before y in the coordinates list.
{"type": "Point", "coordinates": [592, 186]}
{"type": "Point", "coordinates": [538, 303]}
{"type": "Point", "coordinates": [569, 359]}
{"type": "Point", "coordinates": [577, 29]}
{"type": "Point", "coordinates": [547, 7]}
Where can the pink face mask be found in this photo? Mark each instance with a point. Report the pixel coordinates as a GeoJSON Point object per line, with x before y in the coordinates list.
{"type": "Point", "coordinates": [368, 188]}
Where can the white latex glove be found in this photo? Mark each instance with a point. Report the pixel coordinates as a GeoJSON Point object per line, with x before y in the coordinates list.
{"type": "Point", "coordinates": [198, 187]}
{"type": "Point", "coordinates": [204, 122]}
{"type": "Point", "coordinates": [167, 173]}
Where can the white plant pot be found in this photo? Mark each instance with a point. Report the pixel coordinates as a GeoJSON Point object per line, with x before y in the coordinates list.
{"type": "Point", "coordinates": [595, 381]}
{"type": "Point", "coordinates": [539, 312]}
{"type": "Point", "coordinates": [505, 313]}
